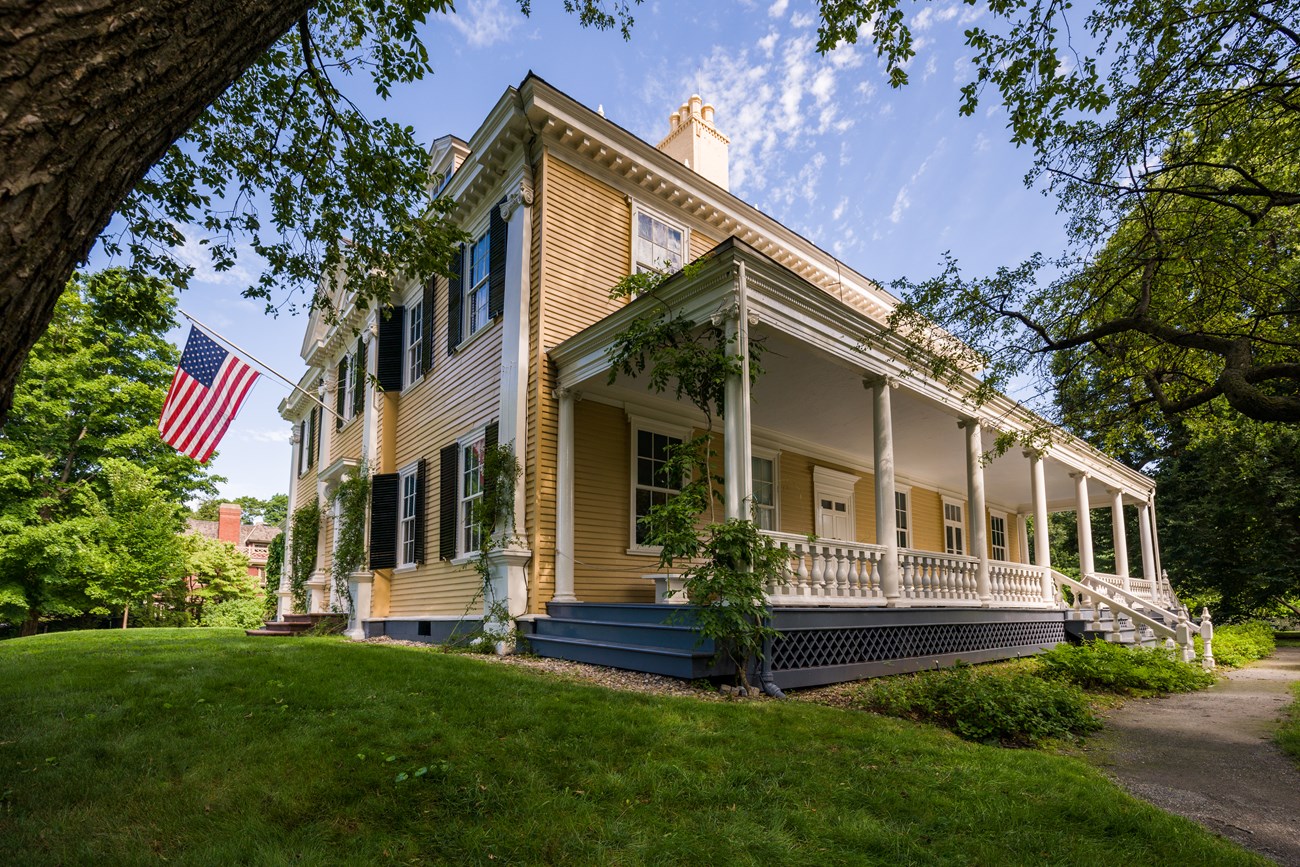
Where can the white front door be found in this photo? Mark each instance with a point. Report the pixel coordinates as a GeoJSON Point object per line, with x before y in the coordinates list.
{"type": "Point", "coordinates": [833, 519]}
{"type": "Point", "coordinates": [833, 503]}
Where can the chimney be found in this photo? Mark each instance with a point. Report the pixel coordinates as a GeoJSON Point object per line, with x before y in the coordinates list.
{"type": "Point", "coordinates": [228, 515]}
{"type": "Point", "coordinates": [695, 142]}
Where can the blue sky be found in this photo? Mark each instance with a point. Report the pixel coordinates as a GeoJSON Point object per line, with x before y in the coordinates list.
{"type": "Point", "coordinates": [886, 179]}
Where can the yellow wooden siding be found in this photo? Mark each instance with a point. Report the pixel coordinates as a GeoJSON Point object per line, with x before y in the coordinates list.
{"type": "Point", "coordinates": [927, 520]}
{"type": "Point", "coordinates": [540, 465]}
{"type": "Point", "coordinates": [347, 442]}
{"type": "Point", "coordinates": [304, 491]}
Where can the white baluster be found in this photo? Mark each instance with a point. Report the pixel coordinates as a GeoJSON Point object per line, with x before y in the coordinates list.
{"type": "Point", "coordinates": [842, 572]}
{"type": "Point", "coordinates": [801, 576]}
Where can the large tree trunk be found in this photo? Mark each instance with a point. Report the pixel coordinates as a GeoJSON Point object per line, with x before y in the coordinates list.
{"type": "Point", "coordinates": [91, 94]}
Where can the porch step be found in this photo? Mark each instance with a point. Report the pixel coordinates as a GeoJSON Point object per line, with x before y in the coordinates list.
{"type": "Point", "coordinates": [295, 624]}
{"type": "Point", "coordinates": [616, 612]}
{"type": "Point", "coordinates": [657, 635]}
{"type": "Point", "coordinates": [672, 662]}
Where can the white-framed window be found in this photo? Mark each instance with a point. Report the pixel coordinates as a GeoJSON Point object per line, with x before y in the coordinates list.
{"type": "Point", "coordinates": [657, 244]}
{"type": "Point", "coordinates": [903, 516]}
{"type": "Point", "coordinates": [954, 527]}
{"type": "Point", "coordinates": [408, 480]}
{"type": "Point", "coordinates": [763, 470]}
{"type": "Point", "coordinates": [476, 296]}
{"type": "Point", "coordinates": [414, 342]}
{"type": "Point", "coordinates": [833, 502]}
{"type": "Point", "coordinates": [349, 385]}
{"type": "Point", "coordinates": [470, 537]}
{"type": "Point", "coordinates": [652, 484]}
{"type": "Point", "coordinates": [998, 535]}
{"type": "Point", "coordinates": [304, 443]}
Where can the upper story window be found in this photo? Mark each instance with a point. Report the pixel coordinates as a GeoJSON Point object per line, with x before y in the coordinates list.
{"type": "Point", "coordinates": [653, 483]}
{"type": "Point", "coordinates": [954, 527]}
{"type": "Point", "coordinates": [903, 517]}
{"type": "Point", "coordinates": [414, 342]}
{"type": "Point", "coordinates": [998, 535]}
{"type": "Point", "coordinates": [476, 298]}
{"type": "Point", "coordinates": [657, 245]}
{"type": "Point", "coordinates": [763, 471]}
{"type": "Point", "coordinates": [304, 443]}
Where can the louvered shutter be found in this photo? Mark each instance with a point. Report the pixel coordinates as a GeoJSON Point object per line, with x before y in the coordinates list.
{"type": "Point", "coordinates": [447, 495]}
{"type": "Point", "coordinates": [340, 392]}
{"type": "Point", "coordinates": [497, 231]}
{"type": "Point", "coordinates": [490, 436]}
{"type": "Point", "coordinates": [311, 439]}
{"type": "Point", "coordinates": [359, 378]}
{"type": "Point", "coordinates": [455, 297]}
{"type": "Point", "coordinates": [421, 480]}
{"type": "Point", "coordinates": [388, 367]}
{"type": "Point", "coordinates": [383, 521]}
{"type": "Point", "coordinates": [426, 334]}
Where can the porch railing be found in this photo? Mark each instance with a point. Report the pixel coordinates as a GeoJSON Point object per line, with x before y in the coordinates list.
{"type": "Point", "coordinates": [1155, 591]}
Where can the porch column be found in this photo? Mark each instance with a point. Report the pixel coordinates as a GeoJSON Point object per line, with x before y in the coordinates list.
{"type": "Point", "coordinates": [1042, 550]}
{"type": "Point", "coordinates": [284, 596]}
{"type": "Point", "coordinates": [737, 464]}
{"type": "Point", "coordinates": [1022, 536]}
{"type": "Point", "coordinates": [1155, 540]}
{"type": "Point", "coordinates": [1144, 535]}
{"type": "Point", "coordinates": [1119, 533]}
{"type": "Point", "coordinates": [975, 508]}
{"type": "Point", "coordinates": [886, 509]}
{"type": "Point", "coordinates": [564, 500]}
{"type": "Point", "coordinates": [516, 212]}
{"type": "Point", "coordinates": [1083, 516]}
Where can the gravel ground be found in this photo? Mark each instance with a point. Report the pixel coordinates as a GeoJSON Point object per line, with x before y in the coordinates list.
{"type": "Point", "coordinates": [1210, 756]}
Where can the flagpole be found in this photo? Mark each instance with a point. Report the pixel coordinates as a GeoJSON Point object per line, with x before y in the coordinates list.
{"type": "Point", "coordinates": [260, 363]}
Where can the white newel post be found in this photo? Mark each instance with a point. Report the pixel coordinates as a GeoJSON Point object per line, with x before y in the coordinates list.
{"type": "Point", "coordinates": [564, 499]}
{"type": "Point", "coordinates": [975, 508]}
{"type": "Point", "coordinates": [736, 447]}
{"type": "Point", "coordinates": [360, 585]}
{"type": "Point", "coordinates": [1119, 533]}
{"type": "Point", "coordinates": [1144, 535]}
{"type": "Point", "coordinates": [509, 563]}
{"type": "Point", "coordinates": [1042, 548]}
{"type": "Point", "coordinates": [284, 596]}
{"type": "Point", "coordinates": [886, 509]}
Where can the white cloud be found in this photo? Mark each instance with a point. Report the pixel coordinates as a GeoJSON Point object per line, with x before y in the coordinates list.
{"type": "Point", "coordinates": [982, 143]}
{"type": "Point", "coordinates": [840, 208]}
{"type": "Point", "coordinates": [777, 9]}
{"type": "Point", "coordinates": [903, 200]}
{"type": "Point", "coordinates": [901, 203]}
{"type": "Point", "coordinates": [196, 253]}
{"type": "Point", "coordinates": [971, 14]}
{"type": "Point", "coordinates": [274, 435]}
{"type": "Point", "coordinates": [801, 21]}
{"type": "Point", "coordinates": [485, 22]}
{"type": "Point", "coordinates": [767, 44]}
{"type": "Point", "coordinates": [931, 67]}
{"type": "Point", "coordinates": [921, 21]}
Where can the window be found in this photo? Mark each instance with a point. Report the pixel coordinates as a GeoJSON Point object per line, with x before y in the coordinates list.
{"type": "Point", "coordinates": [414, 334]}
{"type": "Point", "coordinates": [476, 299]}
{"type": "Point", "coordinates": [407, 491]}
{"type": "Point", "coordinates": [653, 486]}
{"type": "Point", "coordinates": [656, 244]}
{"type": "Point", "coordinates": [954, 528]}
{"type": "Point", "coordinates": [998, 535]}
{"type": "Point", "coordinates": [471, 491]}
{"type": "Point", "coordinates": [764, 473]}
{"type": "Point", "coordinates": [303, 445]}
{"type": "Point", "coordinates": [903, 518]}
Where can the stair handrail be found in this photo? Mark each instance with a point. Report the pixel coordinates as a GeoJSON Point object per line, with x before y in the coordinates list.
{"type": "Point", "coordinates": [1132, 597]}
{"type": "Point", "coordinates": [1181, 636]}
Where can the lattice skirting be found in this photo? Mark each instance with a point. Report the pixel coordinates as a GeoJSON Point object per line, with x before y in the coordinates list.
{"type": "Point", "coordinates": [854, 645]}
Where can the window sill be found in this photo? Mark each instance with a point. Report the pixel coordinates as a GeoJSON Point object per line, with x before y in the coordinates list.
{"type": "Point", "coordinates": [644, 552]}
{"type": "Point", "coordinates": [473, 338]}
{"type": "Point", "coordinates": [405, 567]}
{"type": "Point", "coordinates": [465, 559]}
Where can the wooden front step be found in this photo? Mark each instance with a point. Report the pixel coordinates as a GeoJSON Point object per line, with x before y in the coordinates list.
{"type": "Point", "coordinates": [296, 624]}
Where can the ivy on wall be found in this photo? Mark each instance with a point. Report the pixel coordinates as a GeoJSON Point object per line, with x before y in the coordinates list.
{"type": "Point", "coordinates": [305, 532]}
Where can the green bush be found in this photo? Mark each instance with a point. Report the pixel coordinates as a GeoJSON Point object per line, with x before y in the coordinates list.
{"type": "Point", "coordinates": [1288, 736]}
{"type": "Point", "coordinates": [1240, 643]}
{"type": "Point", "coordinates": [1100, 665]}
{"type": "Point", "coordinates": [1012, 706]}
{"type": "Point", "coordinates": [244, 613]}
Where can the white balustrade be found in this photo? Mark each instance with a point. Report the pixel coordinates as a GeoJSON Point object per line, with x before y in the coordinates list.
{"type": "Point", "coordinates": [827, 572]}
{"type": "Point", "coordinates": [1017, 584]}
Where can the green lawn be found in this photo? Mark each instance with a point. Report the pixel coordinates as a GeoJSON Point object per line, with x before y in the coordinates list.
{"type": "Point", "coordinates": [206, 747]}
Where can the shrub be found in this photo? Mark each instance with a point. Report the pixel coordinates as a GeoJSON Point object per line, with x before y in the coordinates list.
{"type": "Point", "coordinates": [1288, 736]}
{"type": "Point", "coordinates": [243, 613]}
{"type": "Point", "coordinates": [1240, 643]}
{"type": "Point", "coordinates": [1012, 706]}
{"type": "Point", "coordinates": [1100, 665]}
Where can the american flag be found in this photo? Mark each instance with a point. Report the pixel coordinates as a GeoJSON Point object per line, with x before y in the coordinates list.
{"type": "Point", "coordinates": [206, 393]}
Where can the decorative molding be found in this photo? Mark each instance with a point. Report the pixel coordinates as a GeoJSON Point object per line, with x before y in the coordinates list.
{"type": "Point", "coordinates": [520, 196]}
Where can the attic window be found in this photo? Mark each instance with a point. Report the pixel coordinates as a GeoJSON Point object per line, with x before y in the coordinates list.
{"type": "Point", "coordinates": [657, 245]}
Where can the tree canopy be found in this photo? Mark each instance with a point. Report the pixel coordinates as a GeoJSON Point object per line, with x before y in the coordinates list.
{"type": "Point", "coordinates": [272, 510]}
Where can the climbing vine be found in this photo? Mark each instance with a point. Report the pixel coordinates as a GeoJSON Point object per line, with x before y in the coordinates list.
{"type": "Point", "coordinates": [274, 571]}
{"type": "Point", "coordinates": [305, 531]}
{"type": "Point", "coordinates": [351, 499]}
{"type": "Point", "coordinates": [728, 564]}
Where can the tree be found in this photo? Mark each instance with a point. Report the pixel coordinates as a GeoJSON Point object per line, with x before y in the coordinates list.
{"type": "Point", "coordinates": [167, 112]}
{"type": "Point", "coordinates": [271, 511]}
{"type": "Point", "coordinates": [1171, 135]}
{"type": "Point", "coordinates": [217, 572]}
{"type": "Point", "coordinates": [90, 393]}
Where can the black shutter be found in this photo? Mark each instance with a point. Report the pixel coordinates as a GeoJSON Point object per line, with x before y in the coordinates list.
{"type": "Point", "coordinates": [426, 335]}
{"type": "Point", "coordinates": [496, 261]}
{"type": "Point", "coordinates": [447, 490]}
{"type": "Point", "coordinates": [359, 378]}
{"type": "Point", "coordinates": [383, 521]}
{"type": "Point", "coordinates": [455, 295]}
{"type": "Point", "coordinates": [490, 436]}
{"type": "Point", "coordinates": [388, 369]}
{"type": "Point", "coordinates": [421, 479]}
{"type": "Point", "coordinates": [311, 439]}
{"type": "Point", "coordinates": [317, 422]}
{"type": "Point", "coordinates": [340, 392]}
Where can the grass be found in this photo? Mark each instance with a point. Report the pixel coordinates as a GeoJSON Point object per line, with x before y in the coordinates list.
{"type": "Point", "coordinates": [1288, 735]}
{"type": "Point", "coordinates": [205, 747]}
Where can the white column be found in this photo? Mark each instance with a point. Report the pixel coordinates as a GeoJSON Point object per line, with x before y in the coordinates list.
{"type": "Point", "coordinates": [1083, 517]}
{"type": "Point", "coordinates": [564, 500]}
{"type": "Point", "coordinates": [516, 211]}
{"type": "Point", "coordinates": [1144, 534]}
{"type": "Point", "coordinates": [1042, 548]}
{"type": "Point", "coordinates": [886, 509]}
{"type": "Point", "coordinates": [284, 601]}
{"type": "Point", "coordinates": [360, 583]}
{"type": "Point", "coordinates": [975, 508]}
{"type": "Point", "coordinates": [370, 395]}
{"type": "Point", "coordinates": [738, 469]}
{"type": "Point", "coordinates": [1155, 540]}
{"type": "Point", "coordinates": [1119, 533]}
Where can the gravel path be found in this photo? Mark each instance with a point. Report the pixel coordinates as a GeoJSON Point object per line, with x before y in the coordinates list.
{"type": "Point", "coordinates": [1209, 756]}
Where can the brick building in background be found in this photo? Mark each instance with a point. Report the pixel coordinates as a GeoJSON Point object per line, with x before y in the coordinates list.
{"type": "Point", "coordinates": [253, 540]}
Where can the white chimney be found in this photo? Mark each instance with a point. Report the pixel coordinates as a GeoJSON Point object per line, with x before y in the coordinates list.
{"type": "Point", "coordinates": [695, 142]}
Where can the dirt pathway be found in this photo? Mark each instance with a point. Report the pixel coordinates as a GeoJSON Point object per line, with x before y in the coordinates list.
{"type": "Point", "coordinates": [1209, 756]}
